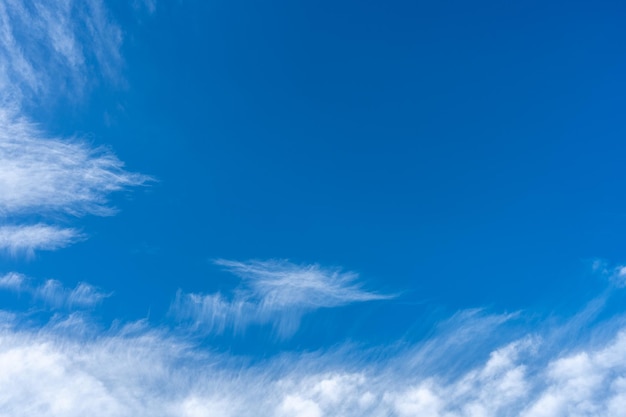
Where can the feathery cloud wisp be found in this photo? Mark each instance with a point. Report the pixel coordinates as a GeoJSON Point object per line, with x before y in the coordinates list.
{"type": "Point", "coordinates": [45, 174]}
{"type": "Point", "coordinates": [277, 292]}
{"type": "Point", "coordinates": [50, 50]}
{"type": "Point", "coordinates": [26, 239]}
{"type": "Point", "coordinates": [56, 48]}
{"type": "Point", "coordinates": [282, 284]}
{"type": "Point", "coordinates": [52, 292]}
{"type": "Point", "coordinates": [12, 281]}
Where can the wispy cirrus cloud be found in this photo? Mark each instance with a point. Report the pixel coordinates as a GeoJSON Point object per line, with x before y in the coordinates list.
{"type": "Point", "coordinates": [26, 239]}
{"type": "Point", "coordinates": [43, 174]}
{"type": "Point", "coordinates": [277, 292]}
{"type": "Point", "coordinates": [53, 293]}
{"type": "Point", "coordinates": [12, 281]}
{"type": "Point", "coordinates": [58, 48]}
{"type": "Point", "coordinates": [282, 284]}
{"type": "Point", "coordinates": [48, 51]}
{"type": "Point", "coordinates": [48, 176]}
{"type": "Point", "coordinates": [66, 368]}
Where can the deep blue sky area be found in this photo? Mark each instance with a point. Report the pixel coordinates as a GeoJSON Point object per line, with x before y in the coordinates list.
{"type": "Point", "coordinates": [460, 154]}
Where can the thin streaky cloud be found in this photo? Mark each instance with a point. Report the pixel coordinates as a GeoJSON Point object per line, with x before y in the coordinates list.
{"type": "Point", "coordinates": [26, 239]}
{"type": "Point", "coordinates": [12, 281]}
{"type": "Point", "coordinates": [59, 48]}
{"type": "Point", "coordinates": [48, 176]}
{"type": "Point", "coordinates": [214, 313]}
{"type": "Point", "coordinates": [85, 295]}
{"type": "Point", "coordinates": [52, 293]}
{"type": "Point", "coordinates": [276, 292]}
{"type": "Point", "coordinates": [42, 174]}
{"type": "Point", "coordinates": [280, 284]}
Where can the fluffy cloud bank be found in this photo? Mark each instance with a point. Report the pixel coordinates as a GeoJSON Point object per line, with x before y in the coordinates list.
{"type": "Point", "coordinates": [70, 368]}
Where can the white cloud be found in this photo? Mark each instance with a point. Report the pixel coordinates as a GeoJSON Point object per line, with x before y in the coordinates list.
{"type": "Point", "coordinates": [52, 292]}
{"type": "Point", "coordinates": [52, 48]}
{"type": "Point", "coordinates": [42, 174]}
{"type": "Point", "coordinates": [277, 292]}
{"type": "Point", "coordinates": [49, 50]}
{"type": "Point", "coordinates": [12, 281]}
{"type": "Point", "coordinates": [615, 274]}
{"type": "Point", "coordinates": [296, 406]}
{"type": "Point", "coordinates": [48, 176]}
{"type": "Point", "coordinates": [26, 239]}
{"type": "Point", "coordinates": [618, 276]}
{"type": "Point", "coordinates": [56, 370]}
{"type": "Point", "coordinates": [282, 284]}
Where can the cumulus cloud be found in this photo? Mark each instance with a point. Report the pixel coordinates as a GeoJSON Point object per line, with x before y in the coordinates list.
{"type": "Point", "coordinates": [66, 368]}
{"type": "Point", "coordinates": [272, 291]}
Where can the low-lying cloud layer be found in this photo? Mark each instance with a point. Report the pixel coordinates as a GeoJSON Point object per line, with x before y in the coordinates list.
{"type": "Point", "coordinates": [70, 368]}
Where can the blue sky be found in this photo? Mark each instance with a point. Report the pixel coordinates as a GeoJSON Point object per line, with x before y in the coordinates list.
{"type": "Point", "coordinates": [312, 209]}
